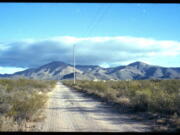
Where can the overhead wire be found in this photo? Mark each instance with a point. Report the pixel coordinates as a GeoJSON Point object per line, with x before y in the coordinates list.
{"type": "Point", "coordinates": [94, 19]}
{"type": "Point", "coordinates": [99, 17]}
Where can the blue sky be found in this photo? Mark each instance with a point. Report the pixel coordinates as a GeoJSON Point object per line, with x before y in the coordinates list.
{"type": "Point", "coordinates": [110, 34]}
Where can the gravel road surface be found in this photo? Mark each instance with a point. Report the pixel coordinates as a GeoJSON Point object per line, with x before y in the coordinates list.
{"type": "Point", "coordinates": [71, 111]}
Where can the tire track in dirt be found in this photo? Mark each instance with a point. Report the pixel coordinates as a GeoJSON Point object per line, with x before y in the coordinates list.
{"type": "Point", "coordinates": [71, 111]}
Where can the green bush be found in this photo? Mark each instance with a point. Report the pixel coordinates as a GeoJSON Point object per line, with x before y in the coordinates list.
{"type": "Point", "coordinates": [20, 99]}
{"type": "Point", "coordinates": [162, 96]}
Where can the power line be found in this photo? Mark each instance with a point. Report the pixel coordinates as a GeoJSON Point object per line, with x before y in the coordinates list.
{"type": "Point", "coordinates": [93, 22]}
{"type": "Point", "coordinates": [98, 19]}
{"type": "Point", "coordinates": [89, 30]}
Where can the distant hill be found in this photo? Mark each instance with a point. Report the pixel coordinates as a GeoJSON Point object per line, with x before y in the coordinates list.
{"type": "Point", "coordinates": [58, 70]}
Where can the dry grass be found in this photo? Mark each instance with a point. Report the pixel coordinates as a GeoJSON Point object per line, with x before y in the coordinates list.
{"type": "Point", "coordinates": [155, 96]}
{"type": "Point", "coordinates": [20, 101]}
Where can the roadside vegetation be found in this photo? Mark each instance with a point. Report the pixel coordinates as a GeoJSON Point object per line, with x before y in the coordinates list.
{"type": "Point", "coordinates": [161, 97]}
{"type": "Point", "coordinates": [21, 101]}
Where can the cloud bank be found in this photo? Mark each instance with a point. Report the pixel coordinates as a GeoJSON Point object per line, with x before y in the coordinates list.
{"type": "Point", "coordinates": [10, 70]}
{"type": "Point", "coordinates": [109, 51]}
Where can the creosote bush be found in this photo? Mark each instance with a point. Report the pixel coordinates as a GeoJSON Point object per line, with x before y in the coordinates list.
{"type": "Point", "coordinates": [154, 96]}
{"type": "Point", "coordinates": [143, 95]}
{"type": "Point", "coordinates": [20, 100]}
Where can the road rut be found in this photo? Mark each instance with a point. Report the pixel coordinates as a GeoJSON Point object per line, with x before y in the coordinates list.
{"type": "Point", "coordinates": [71, 111]}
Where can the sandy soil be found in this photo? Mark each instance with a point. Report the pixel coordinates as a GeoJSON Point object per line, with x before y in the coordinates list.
{"type": "Point", "coordinates": [71, 111]}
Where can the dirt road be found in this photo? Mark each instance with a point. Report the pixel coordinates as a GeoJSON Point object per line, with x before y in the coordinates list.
{"type": "Point", "coordinates": [69, 110]}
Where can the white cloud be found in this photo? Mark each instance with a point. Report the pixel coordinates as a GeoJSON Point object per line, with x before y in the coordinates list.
{"type": "Point", "coordinates": [91, 50]}
{"type": "Point", "coordinates": [105, 65]}
{"type": "Point", "coordinates": [10, 70]}
{"type": "Point", "coordinates": [3, 47]}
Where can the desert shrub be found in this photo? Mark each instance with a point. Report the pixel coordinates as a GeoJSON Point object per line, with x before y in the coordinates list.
{"type": "Point", "coordinates": [19, 99]}
{"type": "Point", "coordinates": [141, 99]}
{"type": "Point", "coordinates": [24, 107]}
{"type": "Point", "coordinates": [155, 96]}
{"type": "Point", "coordinates": [8, 124]}
{"type": "Point", "coordinates": [161, 96]}
{"type": "Point", "coordinates": [164, 102]}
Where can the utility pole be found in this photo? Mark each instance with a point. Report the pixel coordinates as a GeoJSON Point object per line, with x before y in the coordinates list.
{"type": "Point", "coordinates": [59, 77]}
{"type": "Point", "coordinates": [74, 63]}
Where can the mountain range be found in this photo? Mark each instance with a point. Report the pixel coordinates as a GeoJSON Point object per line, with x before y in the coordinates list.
{"type": "Point", "coordinates": [58, 70]}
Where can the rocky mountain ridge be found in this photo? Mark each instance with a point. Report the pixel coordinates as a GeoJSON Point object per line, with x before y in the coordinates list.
{"type": "Point", "coordinates": [58, 70]}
